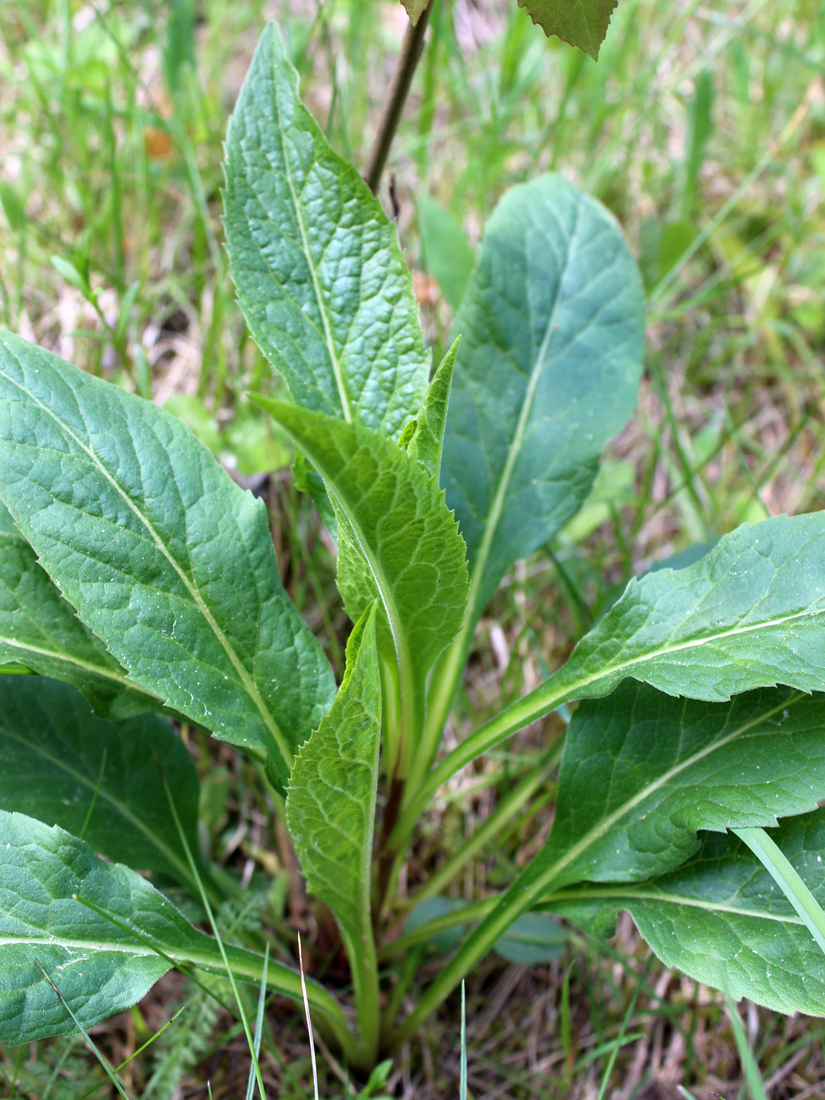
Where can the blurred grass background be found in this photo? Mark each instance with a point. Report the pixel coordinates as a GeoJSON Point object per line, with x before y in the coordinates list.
{"type": "Point", "coordinates": [702, 127]}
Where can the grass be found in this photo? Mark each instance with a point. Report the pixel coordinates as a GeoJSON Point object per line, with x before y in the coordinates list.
{"type": "Point", "coordinates": [703, 128]}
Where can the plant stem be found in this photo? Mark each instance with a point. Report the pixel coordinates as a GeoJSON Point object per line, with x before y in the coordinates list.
{"type": "Point", "coordinates": [411, 50]}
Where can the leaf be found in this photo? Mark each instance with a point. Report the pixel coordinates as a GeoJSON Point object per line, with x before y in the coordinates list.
{"type": "Point", "coordinates": [48, 881]}
{"type": "Point", "coordinates": [723, 921]}
{"type": "Point", "coordinates": [317, 265]}
{"type": "Point", "coordinates": [642, 772]}
{"type": "Point", "coordinates": [581, 23]}
{"type": "Point", "coordinates": [448, 254]}
{"type": "Point", "coordinates": [746, 615]}
{"type": "Point", "coordinates": [426, 432]}
{"type": "Point", "coordinates": [62, 765]}
{"type": "Point", "coordinates": [40, 630]}
{"type": "Point", "coordinates": [415, 9]}
{"type": "Point", "coordinates": [162, 555]}
{"type": "Point", "coordinates": [533, 938]}
{"type": "Point", "coordinates": [547, 373]}
{"type": "Point", "coordinates": [398, 543]}
{"type": "Point", "coordinates": [331, 802]}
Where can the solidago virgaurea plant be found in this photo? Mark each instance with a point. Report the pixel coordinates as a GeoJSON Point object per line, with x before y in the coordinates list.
{"type": "Point", "coordinates": [138, 583]}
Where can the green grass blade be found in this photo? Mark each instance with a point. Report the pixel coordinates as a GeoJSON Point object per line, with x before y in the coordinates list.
{"type": "Point", "coordinates": [751, 1069]}
{"type": "Point", "coordinates": [786, 878]}
{"type": "Point", "coordinates": [259, 1029]}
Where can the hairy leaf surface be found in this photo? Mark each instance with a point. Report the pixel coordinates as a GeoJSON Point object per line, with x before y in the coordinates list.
{"type": "Point", "coordinates": [398, 542]}
{"type": "Point", "coordinates": [548, 370]}
{"type": "Point", "coordinates": [99, 966]}
{"type": "Point", "coordinates": [581, 23]}
{"type": "Point", "coordinates": [64, 766]}
{"type": "Point", "coordinates": [162, 555]}
{"type": "Point", "coordinates": [40, 630]}
{"type": "Point", "coordinates": [317, 265]}
{"type": "Point", "coordinates": [747, 615]}
{"type": "Point", "coordinates": [331, 801]}
{"type": "Point", "coordinates": [722, 920]}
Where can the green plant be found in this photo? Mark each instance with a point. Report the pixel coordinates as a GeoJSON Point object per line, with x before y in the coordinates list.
{"type": "Point", "coordinates": [134, 570]}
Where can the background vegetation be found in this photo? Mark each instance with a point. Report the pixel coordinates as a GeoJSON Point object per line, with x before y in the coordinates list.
{"type": "Point", "coordinates": [702, 127]}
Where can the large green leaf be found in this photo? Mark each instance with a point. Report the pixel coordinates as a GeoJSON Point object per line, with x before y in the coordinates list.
{"type": "Point", "coordinates": [61, 764]}
{"type": "Point", "coordinates": [162, 555]}
{"type": "Point", "coordinates": [100, 965]}
{"type": "Point", "coordinates": [331, 805]}
{"type": "Point", "coordinates": [582, 23]}
{"type": "Point", "coordinates": [746, 615]}
{"type": "Point", "coordinates": [641, 774]}
{"type": "Point", "coordinates": [40, 630]}
{"type": "Point", "coordinates": [722, 920]}
{"type": "Point", "coordinates": [552, 328]}
{"type": "Point", "coordinates": [317, 265]}
{"type": "Point", "coordinates": [398, 543]}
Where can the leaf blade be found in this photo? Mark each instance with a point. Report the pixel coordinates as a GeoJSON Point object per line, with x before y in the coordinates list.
{"type": "Point", "coordinates": [330, 809]}
{"type": "Point", "coordinates": [41, 631]}
{"type": "Point", "coordinates": [581, 23]}
{"type": "Point", "coordinates": [164, 558]}
{"type": "Point", "coordinates": [553, 318]}
{"type": "Point", "coordinates": [57, 760]}
{"type": "Point", "coordinates": [398, 543]}
{"type": "Point", "coordinates": [317, 265]}
{"type": "Point", "coordinates": [106, 962]}
{"type": "Point", "coordinates": [720, 919]}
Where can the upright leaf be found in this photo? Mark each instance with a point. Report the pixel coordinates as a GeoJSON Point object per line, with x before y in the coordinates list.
{"type": "Point", "coordinates": [331, 806]}
{"type": "Point", "coordinates": [317, 266]}
{"type": "Point", "coordinates": [162, 555]}
{"type": "Point", "coordinates": [547, 373]}
{"type": "Point", "coordinates": [423, 438]}
{"type": "Point", "coordinates": [40, 630]}
{"type": "Point", "coordinates": [62, 765]}
{"type": "Point", "coordinates": [448, 254]}
{"type": "Point", "coordinates": [581, 23]}
{"type": "Point", "coordinates": [398, 543]}
{"type": "Point", "coordinates": [722, 920]}
{"type": "Point", "coordinates": [101, 964]}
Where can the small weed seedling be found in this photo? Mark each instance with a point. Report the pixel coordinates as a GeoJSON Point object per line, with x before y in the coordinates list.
{"type": "Point", "coordinates": [137, 580]}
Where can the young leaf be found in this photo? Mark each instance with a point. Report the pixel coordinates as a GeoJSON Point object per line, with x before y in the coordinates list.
{"type": "Point", "coordinates": [62, 765]}
{"type": "Point", "coordinates": [548, 370]}
{"type": "Point", "coordinates": [641, 774]}
{"type": "Point", "coordinates": [426, 432]}
{"type": "Point", "coordinates": [317, 265]}
{"type": "Point", "coordinates": [40, 630]}
{"type": "Point", "coordinates": [162, 555]}
{"type": "Point", "coordinates": [581, 23]}
{"type": "Point", "coordinates": [722, 920]}
{"type": "Point", "coordinates": [54, 893]}
{"type": "Point", "coordinates": [331, 808]}
{"type": "Point", "coordinates": [398, 543]}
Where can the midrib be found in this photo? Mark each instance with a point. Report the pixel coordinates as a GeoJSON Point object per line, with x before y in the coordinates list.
{"type": "Point", "coordinates": [494, 514]}
{"type": "Point", "coordinates": [336, 366]}
{"type": "Point", "coordinates": [604, 826]}
{"type": "Point", "coordinates": [246, 680]}
{"type": "Point", "coordinates": [628, 894]}
{"type": "Point", "coordinates": [69, 659]}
